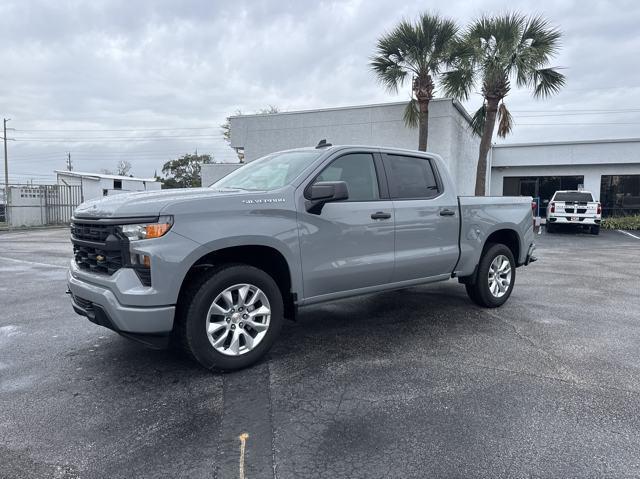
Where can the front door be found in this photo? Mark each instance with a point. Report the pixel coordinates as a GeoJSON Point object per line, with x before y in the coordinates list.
{"type": "Point", "coordinates": [350, 244]}
{"type": "Point", "coordinates": [426, 217]}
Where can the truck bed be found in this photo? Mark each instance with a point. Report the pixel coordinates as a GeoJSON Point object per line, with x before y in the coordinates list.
{"type": "Point", "coordinates": [480, 216]}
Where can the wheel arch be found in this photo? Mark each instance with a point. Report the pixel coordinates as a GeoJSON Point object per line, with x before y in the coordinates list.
{"type": "Point", "coordinates": [263, 256]}
{"type": "Point", "coordinates": [508, 237]}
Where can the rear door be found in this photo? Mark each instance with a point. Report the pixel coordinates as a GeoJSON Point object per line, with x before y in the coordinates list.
{"type": "Point", "coordinates": [349, 244]}
{"type": "Point", "coordinates": [426, 218]}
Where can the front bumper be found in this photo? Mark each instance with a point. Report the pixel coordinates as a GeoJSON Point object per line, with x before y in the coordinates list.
{"type": "Point", "coordinates": [100, 305]}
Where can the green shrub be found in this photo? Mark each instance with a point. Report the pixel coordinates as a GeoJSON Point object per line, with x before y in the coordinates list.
{"type": "Point", "coordinates": [622, 223]}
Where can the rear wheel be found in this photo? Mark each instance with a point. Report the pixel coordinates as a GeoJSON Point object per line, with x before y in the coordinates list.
{"type": "Point", "coordinates": [550, 228]}
{"type": "Point", "coordinates": [595, 230]}
{"type": "Point", "coordinates": [231, 317]}
{"type": "Point", "coordinates": [495, 277]}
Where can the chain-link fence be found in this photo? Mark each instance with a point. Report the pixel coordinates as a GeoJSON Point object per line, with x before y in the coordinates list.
{"type": "Point", "coordinates": [38, 205]}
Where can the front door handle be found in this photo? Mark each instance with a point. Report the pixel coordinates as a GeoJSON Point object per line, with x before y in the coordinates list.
{"type": "Point", "coordinates": [447, 212]}
{"type": "Point", "coordinates": [380, 215]}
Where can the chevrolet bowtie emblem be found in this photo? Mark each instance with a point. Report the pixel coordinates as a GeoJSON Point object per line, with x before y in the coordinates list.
{"type": "Point", "coordinates": [99, 258]}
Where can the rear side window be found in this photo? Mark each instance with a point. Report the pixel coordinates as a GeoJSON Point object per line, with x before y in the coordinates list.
{"type": "Point", "coordinates": [411, 177]}
{"type": "Point", "coordinates": [358, 171]}
{"type": "Point", "coordinates": [574, 197]}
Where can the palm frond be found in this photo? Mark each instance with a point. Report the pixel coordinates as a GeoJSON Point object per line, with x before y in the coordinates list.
{"type": "Point", "coordinates": [412, 114]}
{"type": "Point", "coordinates": [418, 48]}
{"type": "Point", "coordinates": [505, 121]}
{"type": "Point", "coordinates": [478, 120]}
{"type": "Point", "coordinates": [547, 81]}
{"type": "Point", "coordinates": [459, 83]}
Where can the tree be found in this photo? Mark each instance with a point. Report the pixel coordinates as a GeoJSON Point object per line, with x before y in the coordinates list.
{"type": "Point", "coordinates": [226, 127]}
{"type": "Point", "coordinates": [421, 49]}
{"type": "Point", "coordinates": [185, 171]}
{"type": "Point", "coordinates": [492, 52]}
{"type": "Point", "coordinates": [123, 168]}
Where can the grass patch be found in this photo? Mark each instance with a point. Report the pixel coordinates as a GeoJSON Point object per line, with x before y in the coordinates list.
{"type": "Point", "coordinates": [622, 223]}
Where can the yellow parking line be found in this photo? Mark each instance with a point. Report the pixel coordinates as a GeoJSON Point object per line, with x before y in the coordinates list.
{"type": "Point", "coordinates": [243, 443]}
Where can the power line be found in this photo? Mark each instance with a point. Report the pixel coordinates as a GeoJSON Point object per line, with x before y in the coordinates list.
{"type": "Point", "coordinates": [578, 124]}
{"type": "Point", "coordinates": [119, 129]}
{"type": "Point", "coordinates": [116, 140]}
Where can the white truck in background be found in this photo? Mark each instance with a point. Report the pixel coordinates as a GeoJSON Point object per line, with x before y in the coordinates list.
{"type": "Point", "coordinates": [575, 208]}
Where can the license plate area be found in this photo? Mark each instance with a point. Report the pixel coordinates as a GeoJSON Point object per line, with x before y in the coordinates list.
{"type": "Point", "coordinates": [573, 218]}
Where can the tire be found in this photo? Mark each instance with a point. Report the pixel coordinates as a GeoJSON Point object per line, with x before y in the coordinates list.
{"type": "Point", "coordinates": [199, 317]}
{"type": "Point", "coordinates": [550, 228]}
{"type": "Point", "coordinates": [595, 230]}
{"type": "Point", "coordinates": [480, 291]}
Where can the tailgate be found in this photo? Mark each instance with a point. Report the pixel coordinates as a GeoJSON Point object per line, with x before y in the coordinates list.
{"type": "Point", "coordinates": [576, 209]}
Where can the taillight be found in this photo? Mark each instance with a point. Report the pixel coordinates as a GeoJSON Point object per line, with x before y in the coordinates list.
{"type": "Point", "coordinates": [599, 210]}
{"type": "Point", "coordinates": [552, 208]}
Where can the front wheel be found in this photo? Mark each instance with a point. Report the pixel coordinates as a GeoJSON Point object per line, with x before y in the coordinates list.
{"type": "Point", "coordinates": [495, 277]}
{"type": "Point", "coordinates": [231, 317]}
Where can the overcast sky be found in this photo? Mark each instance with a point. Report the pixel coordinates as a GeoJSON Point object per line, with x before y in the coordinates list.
{"type": "Point", "coordinates": [176, 69]}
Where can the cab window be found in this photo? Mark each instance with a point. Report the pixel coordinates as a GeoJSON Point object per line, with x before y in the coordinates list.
{"type": "Point", "coordinates": [358, 171]}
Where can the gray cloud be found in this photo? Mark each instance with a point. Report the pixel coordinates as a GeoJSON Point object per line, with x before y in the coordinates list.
{"type": "Point", "coordinates": [165, 64]}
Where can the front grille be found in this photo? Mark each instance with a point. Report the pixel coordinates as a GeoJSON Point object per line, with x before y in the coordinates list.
{"type": "Point", "coordinates": [99, 248]}
{"type": "Point", "coordinates": [91, 232]}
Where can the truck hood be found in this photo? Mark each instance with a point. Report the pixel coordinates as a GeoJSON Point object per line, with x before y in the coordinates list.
{"type": "Point", "coordinates": [147, 203]}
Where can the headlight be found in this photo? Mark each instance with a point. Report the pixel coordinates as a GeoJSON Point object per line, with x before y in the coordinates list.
{"type": "Point", "coordinates": [147, 230]}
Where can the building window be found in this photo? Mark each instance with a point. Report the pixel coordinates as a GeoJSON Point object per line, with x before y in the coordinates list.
{"type": "Point", "coordinates": [620, 195]}
{"type": "Point", "coordinates": [541, 188]}
{"type": "Point", "coordinates": [117, 184]}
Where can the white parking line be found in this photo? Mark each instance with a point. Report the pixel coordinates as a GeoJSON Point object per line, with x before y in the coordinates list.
{"type": "Point", "coordinates": [628, 234]}
{"type": "Point", "coordinates": [35, 263]}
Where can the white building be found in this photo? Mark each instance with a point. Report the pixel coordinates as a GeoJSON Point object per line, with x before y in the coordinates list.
{"type": "Point", "coordinates": [381, 125]}
{"type": "Point", "coordinates": [610, 169]}
{"type": "Point", "coordinates": [97, 185]}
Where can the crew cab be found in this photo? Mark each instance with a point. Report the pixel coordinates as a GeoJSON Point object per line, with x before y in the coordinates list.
{"type": "Point", "coordinates": [218, 269]}
{"type": "Point", "coordinates": [575, 208]}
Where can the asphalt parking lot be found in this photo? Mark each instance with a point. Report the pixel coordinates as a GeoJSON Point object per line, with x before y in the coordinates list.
{"type": "Point", "coordinates": [408, 384]}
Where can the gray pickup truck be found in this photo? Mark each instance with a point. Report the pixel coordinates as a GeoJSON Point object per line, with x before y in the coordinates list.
{"type": "Point", "coordinates": [218, 269]}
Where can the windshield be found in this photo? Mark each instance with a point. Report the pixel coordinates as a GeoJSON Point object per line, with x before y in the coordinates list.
{"type": "Point", "coordinates": [270, 172]}
{"type": "Point", "coordinates": [573, 197]}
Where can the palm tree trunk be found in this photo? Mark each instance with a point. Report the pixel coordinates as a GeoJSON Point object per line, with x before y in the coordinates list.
{"type": "Point", "coordinates": [485, 146]}
{"type": "Point", "coordinates": [423, 125]}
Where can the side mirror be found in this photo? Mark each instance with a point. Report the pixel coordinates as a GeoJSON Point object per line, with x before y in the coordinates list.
{"type": "Point", "coordinates": [325, 192]}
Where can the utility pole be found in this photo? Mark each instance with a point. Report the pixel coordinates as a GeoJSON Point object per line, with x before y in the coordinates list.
{"type": "Point", "coordinates": [7, 193]}
{"type": "Point", "coordinates": [69, 165]}
{"type": "Point", "coordinates": [6, 163]}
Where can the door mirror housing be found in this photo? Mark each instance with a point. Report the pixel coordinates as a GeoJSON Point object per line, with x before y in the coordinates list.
{"type": "Point", "coordinates": [325, 192]}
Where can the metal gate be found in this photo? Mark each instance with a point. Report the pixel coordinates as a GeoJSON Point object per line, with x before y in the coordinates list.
{"type": "Point", "coordinates": [40, 205]}
{"type": "Point", "coordinates": [60, 201]}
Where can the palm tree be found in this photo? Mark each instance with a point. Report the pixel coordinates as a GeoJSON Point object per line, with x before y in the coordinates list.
{"type": "Point", "coordinates": [419, 49]}
{"type": "Point", "coordinates": [492, 52]}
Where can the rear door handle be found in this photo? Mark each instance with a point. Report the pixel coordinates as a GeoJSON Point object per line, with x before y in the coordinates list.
{"type": "Point", "coordinates": [447, 212]}
{"type": "Point", "coordinates": [380, 215]}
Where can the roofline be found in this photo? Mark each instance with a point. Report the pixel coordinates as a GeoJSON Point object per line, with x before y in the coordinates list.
{"type": "Point", "coordinates": [568, 142]}
{"type": "Point", "coordinates": [458, 106]}
{"type": "Point", "coordinates": [83, 174]}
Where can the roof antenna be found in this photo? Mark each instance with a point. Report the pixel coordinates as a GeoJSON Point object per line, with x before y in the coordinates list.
{"type": "Point", "coordinates": [323, 144]}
